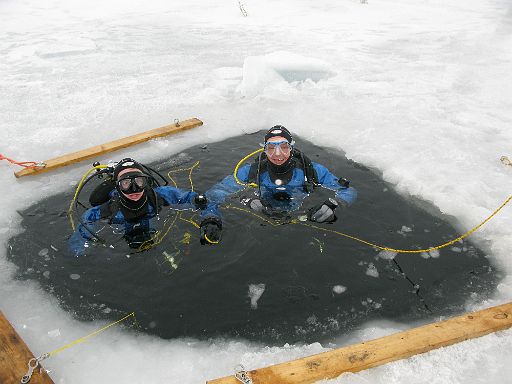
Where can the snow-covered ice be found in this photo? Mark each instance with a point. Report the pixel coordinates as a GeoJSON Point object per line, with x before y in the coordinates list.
{"type": "Point", "coordinates": [420, 91]}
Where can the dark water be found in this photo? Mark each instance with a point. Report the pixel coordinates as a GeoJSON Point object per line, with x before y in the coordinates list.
{"type": "Point", "coordinates": [204, 291]}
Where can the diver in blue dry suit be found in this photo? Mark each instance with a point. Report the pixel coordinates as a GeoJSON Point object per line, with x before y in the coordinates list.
{"type": "Point", "coordinates": [131, 207]}
{"type": "Point", "coordinates": [285, 177]}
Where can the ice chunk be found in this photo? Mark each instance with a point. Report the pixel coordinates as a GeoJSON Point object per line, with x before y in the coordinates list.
{"type": "Point", "coordinates": [404, 230]}
{"type": "Point", "coordinates": [339, 289]}
{"type": "Point", "coordinates": [372, 270]}
{"type": "Point", "coordinates": [387, 255]}
{"type": "Point", "coordinates": [434, 253]}
{"type": "Point", "coordinates": [255, 292]}
{"type": "Point", "coordinates": [431, 254]}
{"type": "Point", "coordinates": [279, 69]}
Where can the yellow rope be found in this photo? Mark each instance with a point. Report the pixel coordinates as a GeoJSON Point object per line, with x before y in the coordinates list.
{"type": "Point", "coordinates": [238, 166]}
{"type": "Point", "coordinates": [156, 238]}
{"type": "Point", "coordinates": [255, 215]}
{"type": "Point", "coordinates": [82, 339]}
{"type": "Point", "coordinates": [379, 246]}
{"type": "Point", "coordinates": [190, 221]}
{"type": "Point", "coordinates": [173, 181]}
{"type": "Point", "coordinates": [77, 191]}
{"type": "Point", "coordinates": [190, 169]}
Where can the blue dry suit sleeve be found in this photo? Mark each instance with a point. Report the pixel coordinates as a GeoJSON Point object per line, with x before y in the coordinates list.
{"type": "Point", "coordinates": [175, 196]}
{"type": "Point", "coordinates": [328, 180]}
{"type": "Point", "coordinates": [81, 235]}
{"type": "Point", "coordinates": [222, 190]}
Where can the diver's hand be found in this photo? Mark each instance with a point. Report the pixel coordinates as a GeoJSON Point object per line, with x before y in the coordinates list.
{"type": "Point", "coordinates": [324, 213]}
{"type": "Point", "coordinates": [210, 231]}
{"type": "Point", "coordinates": [255, 204]}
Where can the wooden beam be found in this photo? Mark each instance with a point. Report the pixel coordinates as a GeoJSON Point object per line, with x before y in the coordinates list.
{"type": "Point", "coordinates": [111, 146]}
{"type": "Point", "coordinates": [358, 357]}
{"type": "Point", "coordinates": [14, 357]}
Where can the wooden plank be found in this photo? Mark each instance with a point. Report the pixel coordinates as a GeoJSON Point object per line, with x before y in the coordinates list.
{"type": "Point", "coordinates": [357, 357]}
{"type": "Point", "coordinates": [14, 357]}
{"type": "Point", "coordinates": [111, 146]}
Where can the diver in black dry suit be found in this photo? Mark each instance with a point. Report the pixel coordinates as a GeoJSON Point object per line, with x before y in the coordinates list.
{"type": "Point", "coordinates": [130, 203]}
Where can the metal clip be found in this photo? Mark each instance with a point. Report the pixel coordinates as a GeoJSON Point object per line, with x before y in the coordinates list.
{"type": "Point", "coordinates": [242, 375]}
{"type": "Point", "coordinates": [32, 365]}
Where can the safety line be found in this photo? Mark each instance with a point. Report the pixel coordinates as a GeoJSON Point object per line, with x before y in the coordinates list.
{"type": "Point", "coordinates": [379, 246]}
{"type": "Point", "coordinates": [82, 339]}
{"type": "Point", "coordinates": [157, 239]}
{"type": "Point", "coordinates": [190, 169]}
{"type": "Point", "coordinates": [190, 221]}
{"type": "Point", "coordinates": [24, 164]}
{"type": "Point", "coordinates": [273, 223]}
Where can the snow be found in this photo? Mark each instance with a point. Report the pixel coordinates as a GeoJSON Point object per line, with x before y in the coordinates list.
{"type": "Point", "coordinates": [420, 91]}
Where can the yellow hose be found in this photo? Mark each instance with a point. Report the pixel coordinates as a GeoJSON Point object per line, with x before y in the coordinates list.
{"type": "Point", "coordinates": [238, 166]}
{"type": "Point", "coordinates": [77, 191]}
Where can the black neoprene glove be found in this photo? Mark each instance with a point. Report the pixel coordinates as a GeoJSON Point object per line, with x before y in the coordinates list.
{"type": "Point", "coordinates": [324, 213]}
{"type": "Point", "coordinates": [210, 231]}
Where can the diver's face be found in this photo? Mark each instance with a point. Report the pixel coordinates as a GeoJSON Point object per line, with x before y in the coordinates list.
{"type": "Point", "coordinates": [132, 196]}
{"type": "Point", "coordinates": [278, 150]}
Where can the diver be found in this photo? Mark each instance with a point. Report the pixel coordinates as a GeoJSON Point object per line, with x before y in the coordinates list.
{"type": "Point", "coordinates": [284, 177]}
{"type": "Point", "coordinates": [128, 202]}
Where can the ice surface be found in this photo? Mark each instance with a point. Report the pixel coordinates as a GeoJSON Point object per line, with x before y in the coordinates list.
{"type": "Point", "coordinates": [422, 93]}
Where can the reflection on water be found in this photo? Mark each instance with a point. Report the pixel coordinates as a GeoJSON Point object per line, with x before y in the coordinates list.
{"type": "Point", "coordinates": [271, 283]}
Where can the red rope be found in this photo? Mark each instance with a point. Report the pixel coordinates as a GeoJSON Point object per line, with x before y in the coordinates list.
{"type": "Point", "coordinates": [24, 164]}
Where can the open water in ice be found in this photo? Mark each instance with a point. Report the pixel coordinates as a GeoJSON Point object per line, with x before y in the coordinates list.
{"type": "Point", "coordinates": [274, 284]}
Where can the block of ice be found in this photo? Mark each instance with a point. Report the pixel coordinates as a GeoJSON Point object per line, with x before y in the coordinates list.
{"type": "Point", "coordinates": [279, 69]}
{"type": "Point", "coordinates": [255, 292]}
